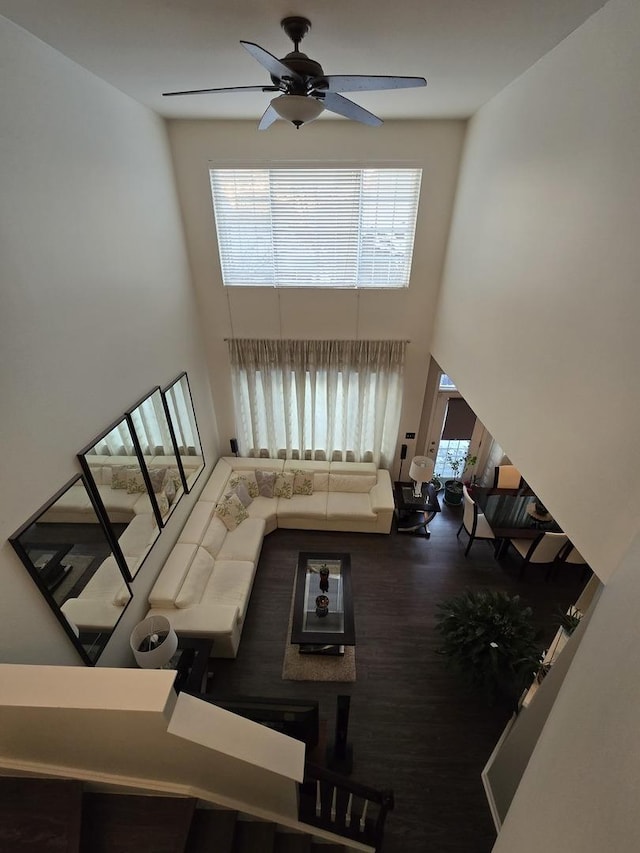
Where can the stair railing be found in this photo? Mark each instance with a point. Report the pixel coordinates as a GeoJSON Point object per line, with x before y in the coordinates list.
{"type": "Point", "coordinates": [337, 804]}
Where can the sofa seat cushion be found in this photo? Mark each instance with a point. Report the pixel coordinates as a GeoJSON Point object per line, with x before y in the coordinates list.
{"type": "Point", "coordinates": [243, 543]}
{"type": "Point", "coordinates": [120, 500]}
{"type": "Point", "coordinates": [230, 583]}
{"type": "Point", "coordinates": [264, 508]}
{"type": "Point", "coordinates": [140, 533]}
{"type": "Point", "coordinates": [307, 506]}
{"type": "Point", "coordinates": [91, 614]}
{"type": "Point", "coordinates": [197, 523]}
{"type": "Point", "coordinates": [201, 620]}
{"type": "Point", "coordinates": [347, 505]}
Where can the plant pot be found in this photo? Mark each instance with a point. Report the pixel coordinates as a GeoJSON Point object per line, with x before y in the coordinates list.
{"type": "Point", "coordinates": [436, 482]}
{"type": "Point", "coordinates": [453, 492]}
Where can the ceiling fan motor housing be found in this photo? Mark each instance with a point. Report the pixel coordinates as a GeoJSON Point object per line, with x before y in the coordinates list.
{"type": "Point", "coordinates": [301, 65]}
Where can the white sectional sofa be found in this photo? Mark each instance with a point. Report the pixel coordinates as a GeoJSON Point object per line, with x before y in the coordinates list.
{"type": "Point", "coordinates": [205, 585]}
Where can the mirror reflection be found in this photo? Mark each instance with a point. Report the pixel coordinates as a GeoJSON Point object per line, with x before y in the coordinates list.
{"type": "Point", "coordinates": [119, 480]}
{"type": "Point", "coordinates": [167, 482]}
{"type": "Point", "coordinates": [182, 417]}
{"type": "Point", "coordinates": [68, 552]}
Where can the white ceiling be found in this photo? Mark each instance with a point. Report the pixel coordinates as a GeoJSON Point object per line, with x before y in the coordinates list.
{"type": "Point", "coordinates": [467, 49]}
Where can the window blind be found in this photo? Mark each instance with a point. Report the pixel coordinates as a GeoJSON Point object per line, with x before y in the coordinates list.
{"type": "Point", "coordinates": [315, 227]}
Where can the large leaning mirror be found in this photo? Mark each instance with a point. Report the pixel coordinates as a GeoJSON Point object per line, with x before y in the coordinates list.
{"type": "Point", "coordinates": [69, 554]}
{"type": "Point", "coordinates": [117, 475]}
{"type": "Point", "coordinates": [157, 447]}
{"type": "Point", "coordinates": [182, 421]}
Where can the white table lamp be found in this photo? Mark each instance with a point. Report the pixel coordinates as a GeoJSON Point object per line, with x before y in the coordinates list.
{"type": "Point", "coordinates": [421, 471]}
{"type": "Point", "coordinates": [153, 642]}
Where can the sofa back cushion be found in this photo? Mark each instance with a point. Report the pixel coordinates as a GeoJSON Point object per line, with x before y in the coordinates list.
{"type": "Point", "coordinates": [354, 483]}
{"type": "Point", "coordinates": [196, 580]}
{"type": "Point", "coordinates": [214, 536]}
{"type": "Point", "coordinates": [167, 586]}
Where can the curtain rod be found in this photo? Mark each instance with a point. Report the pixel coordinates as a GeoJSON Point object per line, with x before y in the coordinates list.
{"type": "Point", "coordinates": [391, 340]}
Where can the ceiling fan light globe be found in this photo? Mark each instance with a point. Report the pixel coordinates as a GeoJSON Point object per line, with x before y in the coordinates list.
{"type": "Point", "coordinates": [298, 109]}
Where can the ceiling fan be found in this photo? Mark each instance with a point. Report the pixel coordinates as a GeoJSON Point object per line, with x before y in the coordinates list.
{"type": "Point", "coordinates": [305, 90]}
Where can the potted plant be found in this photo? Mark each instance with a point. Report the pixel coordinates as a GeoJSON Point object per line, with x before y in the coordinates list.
{"type": "Point", "coordinates": [490, 638]}
{"type": "Point", "coordinates": [436, 482]}
{"type": "Point", "coordinates": [453, 488]}
{"type": "Point", "coordinates": [569, 620]}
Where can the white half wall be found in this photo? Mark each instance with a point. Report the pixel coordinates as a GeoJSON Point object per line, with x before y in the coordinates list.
{"type": "Point", "coordinates": [538, 315]}
{"type": "Point", "coordinates": [96, 304]}
{"type": "Point", "coordinates": [261, 312]}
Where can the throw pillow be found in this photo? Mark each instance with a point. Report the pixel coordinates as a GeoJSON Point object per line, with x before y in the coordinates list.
{"type": "Point", "coordinates": [266, 481]}
{"type": "Point", "coordinates": [248, 478]}
{"type": "Point", "coordinates": [135, 482]}
{"type": "Point", "coordinates": [242, 492]}
{"type": "Point", "coordinates": [231, 512]}
{"type": "Point", "coordinates": [174, 474]}
{"type": "Point", "coordinates": [169, 489]}
{"type": "Point", "coordinates": [157, 477]}
{"type": "Point", "coordinates": [119, 477]}
{"type": "Point", "coordinates": [163, 503]}
{"type": "Point", "coordinates": [283, 487]}
{"type": "Point", "coordinates": [302, 482]}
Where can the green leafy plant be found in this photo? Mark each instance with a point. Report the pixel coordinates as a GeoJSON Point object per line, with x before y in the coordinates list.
{"type": "Point", "coordinates": [490, 638]}
{"type": "Point", "coordinates": [459, 464]}
{"type": "Point", "coordinates": [570, 619]}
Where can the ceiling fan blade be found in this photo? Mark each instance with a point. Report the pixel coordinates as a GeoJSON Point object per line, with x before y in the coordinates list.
{"type": "Point", "coordinates": [365, 83]}
{"type": "Point", "coordinates": [226, 89]}
{"type": "Point", "coordinates": [273, 65]}
{"type": "Point", "coordinates": [268, 118]}
{"type": "Point", "coordinates": [343, 106]}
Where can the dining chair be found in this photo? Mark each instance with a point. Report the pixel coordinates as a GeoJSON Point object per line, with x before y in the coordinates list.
{"type": "Point", "coordinates": [474, 522]}
{"type": "Point", "coordinates": [506, 477]}
{"type": "Point", "coordinates": [544, 549]}
{"type": "Point", "coordinates": [570, 554]}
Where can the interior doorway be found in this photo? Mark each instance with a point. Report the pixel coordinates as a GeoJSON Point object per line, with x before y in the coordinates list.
{"type": "Point", "coordinates": [454, 429]}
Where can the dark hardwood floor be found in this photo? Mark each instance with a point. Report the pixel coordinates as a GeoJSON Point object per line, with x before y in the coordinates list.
{"type": "Point", "coordinates": [413, 725]}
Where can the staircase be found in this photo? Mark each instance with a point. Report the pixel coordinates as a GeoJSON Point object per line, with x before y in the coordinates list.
{"type": "Point", "coordinates": [60, 816]}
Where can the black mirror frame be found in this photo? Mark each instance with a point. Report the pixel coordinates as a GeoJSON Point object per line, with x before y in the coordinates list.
{"type": "Point", "coordinates": [95, 492]}
{"type": "Point", "coordinates": [14, 539]}
{"type": "Point", "coordinates": [165, 392]}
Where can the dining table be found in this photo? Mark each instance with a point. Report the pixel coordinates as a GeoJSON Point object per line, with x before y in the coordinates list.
{"type": "Point", "coordinates": [513, 514]}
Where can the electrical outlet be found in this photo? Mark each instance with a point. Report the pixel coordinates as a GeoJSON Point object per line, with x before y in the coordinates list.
{"type": "Point", "coordinates": [409, 435]}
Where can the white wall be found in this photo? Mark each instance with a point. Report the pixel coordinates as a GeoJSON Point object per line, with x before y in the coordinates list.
{"type": "Point", "coordinates": [538, 319]}
{"type": "Point", "coordinates": [96, 303]}
{"type": "Point", "coordinates": [538, 326]}
{"type": "Point", "coordinates": [319, 314]}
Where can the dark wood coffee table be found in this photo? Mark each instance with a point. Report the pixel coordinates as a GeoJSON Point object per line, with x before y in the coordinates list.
{"type": "Point", "coordinates": [319, 629]}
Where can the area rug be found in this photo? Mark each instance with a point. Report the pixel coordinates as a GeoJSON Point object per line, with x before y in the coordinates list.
{"type": "Point", "coordinates": [297, 667]}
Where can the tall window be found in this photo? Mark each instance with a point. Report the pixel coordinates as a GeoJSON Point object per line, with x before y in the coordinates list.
{"type": "Point", "coordinates": [318, 395]}
{"type": "Point", "coordinates": [316, 227]}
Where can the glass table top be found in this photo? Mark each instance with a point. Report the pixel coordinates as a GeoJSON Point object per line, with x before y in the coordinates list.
{"type": "Point", "coordinates": [323, 606]}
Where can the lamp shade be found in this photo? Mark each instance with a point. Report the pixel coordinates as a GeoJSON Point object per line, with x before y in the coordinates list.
{"type": "Point", "coordinates": [153, 642]}
{"type": "Point", "coordinates": [298, 109]}
{"type": "Point", "coordinates": [421, 469]}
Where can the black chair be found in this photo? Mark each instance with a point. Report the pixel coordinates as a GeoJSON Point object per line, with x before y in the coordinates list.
{"type": "Point", "coordinates": [474, 522]}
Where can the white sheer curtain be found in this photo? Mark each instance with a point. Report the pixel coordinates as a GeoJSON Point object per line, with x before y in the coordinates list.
{"type": "Point", "coordinates": [318, 396]}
